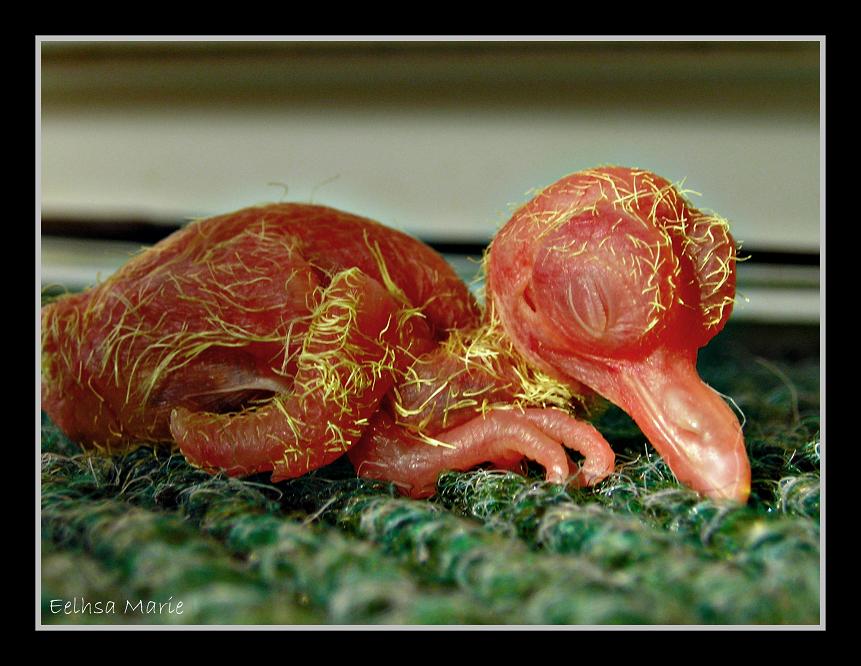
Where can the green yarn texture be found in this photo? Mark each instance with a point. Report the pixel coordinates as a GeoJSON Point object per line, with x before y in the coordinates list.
{"type": "Point", "coordinates": [168, 544]}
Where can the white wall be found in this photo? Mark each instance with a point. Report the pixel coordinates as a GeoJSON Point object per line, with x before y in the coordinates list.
{"type": "Point", "coordinates": [437, 140]}
{"type": "Point", "coordinates": [437, 173]}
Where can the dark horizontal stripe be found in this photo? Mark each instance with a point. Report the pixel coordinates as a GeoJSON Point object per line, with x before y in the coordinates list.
{"type": "Point", "coordinates": [147, 233]}
{"type": "Point", "coordinates": [131, 230]}
{"type": "Point", "coordinates": [474, 249]}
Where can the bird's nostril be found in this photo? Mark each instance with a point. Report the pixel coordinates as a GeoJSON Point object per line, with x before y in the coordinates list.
{"type": "Point", "coordinates": [528, 300]}
{"type": "Point", "coordinates": [678, 403]}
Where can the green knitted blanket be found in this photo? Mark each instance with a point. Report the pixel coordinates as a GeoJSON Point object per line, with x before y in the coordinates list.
{"type": "Point", "coordinates": [144, 538]}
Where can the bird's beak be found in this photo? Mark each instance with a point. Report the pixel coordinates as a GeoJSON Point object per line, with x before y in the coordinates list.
{"type": "Point", "coordinates": [687, 422]}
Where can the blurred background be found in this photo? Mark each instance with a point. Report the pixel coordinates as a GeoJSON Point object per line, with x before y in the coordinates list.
{"type": "Point", "coordinates": [441, 139]}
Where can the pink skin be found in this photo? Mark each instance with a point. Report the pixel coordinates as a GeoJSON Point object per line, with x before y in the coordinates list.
{"type": "Point", "coordinates": [607, 279]}
{"type": "Point", "coordinates": [504, 437]}
{"type": "Point", "coordinates": [296, 435]}
{"type": "Point", "coordinates": [618, 291]}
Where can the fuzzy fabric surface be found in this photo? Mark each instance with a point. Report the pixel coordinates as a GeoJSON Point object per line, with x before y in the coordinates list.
{"type": "Point", "coordinates": [144, 538]}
